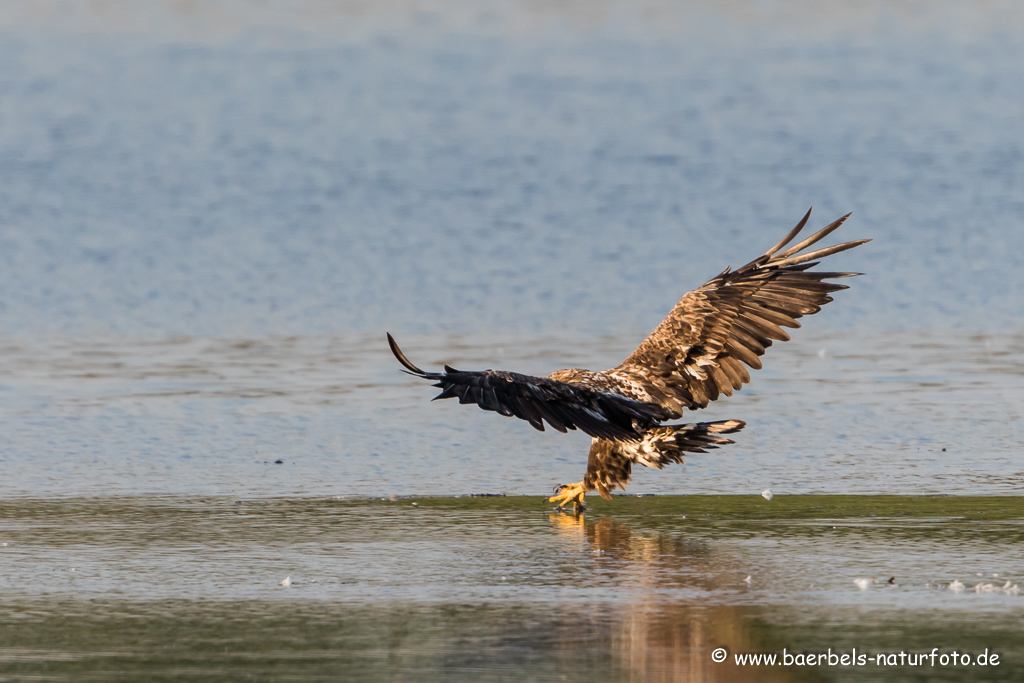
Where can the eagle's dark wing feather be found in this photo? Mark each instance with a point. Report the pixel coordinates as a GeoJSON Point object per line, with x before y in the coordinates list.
{"type": "Point", "coordinates": [699, 351]}
{"type": "Point", "coordinates": [540, 399]}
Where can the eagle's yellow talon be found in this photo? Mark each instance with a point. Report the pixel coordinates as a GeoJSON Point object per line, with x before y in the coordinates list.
{"type": "Point", "coordinates": [570, 492]}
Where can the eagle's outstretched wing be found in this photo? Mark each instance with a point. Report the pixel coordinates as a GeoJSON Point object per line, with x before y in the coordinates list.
{"type": "Point", "coordinates": [698, 352]}
{"type": "Point", "coordinates": [538, 399]}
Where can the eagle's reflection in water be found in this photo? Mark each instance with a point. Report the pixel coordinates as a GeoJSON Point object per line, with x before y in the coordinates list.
{"type": "Point", "coordinates": [683, 601]}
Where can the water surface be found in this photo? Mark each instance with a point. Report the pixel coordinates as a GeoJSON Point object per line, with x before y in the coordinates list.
{"type": "Point", "coordinates": [210, 216]}
{"type": "Point", "coordinates": [210, 213]}
{"type": "Point", "coordinates": [895, 412]}
{"type": "Point", "coordinates": [503, 588]}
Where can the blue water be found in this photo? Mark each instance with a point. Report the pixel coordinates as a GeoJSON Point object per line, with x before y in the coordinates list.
{"type": "Point", "coordinates": [475, 179]}
{"type": "Point", "coordinates": [209, 218]}
{"type": "Point", "coordinates": [211, 212]}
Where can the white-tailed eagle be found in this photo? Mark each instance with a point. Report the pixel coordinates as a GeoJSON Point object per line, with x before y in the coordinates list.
{"type": "Point", "coordinates": [698, 353]}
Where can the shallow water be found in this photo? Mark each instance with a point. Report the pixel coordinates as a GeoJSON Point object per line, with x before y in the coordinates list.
{"type": "Point", "coordinates": [209, 216]}
{"type": "Point", "coordinates": [503, 588]}
{"type": "Point", "coordinates": [210, 213]}
{"type": "Point", "coordinates": [174, 168]}
{"type": "Point", "coordinates": [894, 413]}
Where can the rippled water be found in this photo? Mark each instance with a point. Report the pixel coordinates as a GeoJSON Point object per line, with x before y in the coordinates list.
{"type": "Point", "coordinates": [206, 227]}
{"type": "Point", "coordinates": [210, 213]}
{"type": "Point", "coordinates": [934, 413]}
{"type": "Point", "coordinates": [471, 177]}
{"type": "Point", "coordinates": [501, 589]}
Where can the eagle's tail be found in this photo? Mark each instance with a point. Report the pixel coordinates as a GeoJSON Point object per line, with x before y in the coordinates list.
{"type": "Point", "coordinates": [610, 463]}
{"type": "Point", "coordinates": [666, 444]}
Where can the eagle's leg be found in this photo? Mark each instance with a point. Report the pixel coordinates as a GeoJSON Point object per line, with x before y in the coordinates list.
{"type": "Point", "coordinates": [564, 493]}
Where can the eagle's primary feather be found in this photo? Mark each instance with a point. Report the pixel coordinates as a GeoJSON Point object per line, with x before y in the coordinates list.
{"type": "Point", "coordinates": [697, 353]}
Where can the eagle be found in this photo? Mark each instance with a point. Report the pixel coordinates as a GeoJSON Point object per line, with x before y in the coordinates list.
{"type": "Point", "coordinates": [698, 353]}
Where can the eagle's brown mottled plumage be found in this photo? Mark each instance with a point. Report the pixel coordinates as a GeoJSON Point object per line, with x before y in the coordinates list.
{"type": "Point", "coordinates": [695, 355]}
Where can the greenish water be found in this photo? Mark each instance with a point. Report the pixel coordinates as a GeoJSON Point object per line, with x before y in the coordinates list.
{"type": "Point", "coordinates": [210, 213]}
{"type": "Point", "coordinates": [636, 589]}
